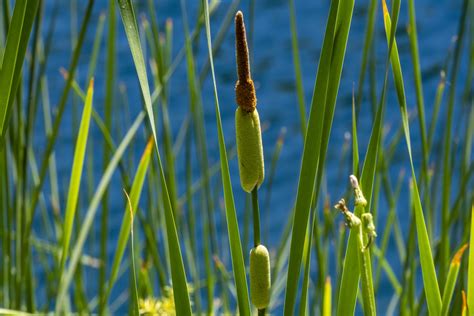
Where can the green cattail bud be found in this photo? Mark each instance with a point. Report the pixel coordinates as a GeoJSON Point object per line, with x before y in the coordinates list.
{"type": "Point", "coordinates": [249, 149]}
{"type": "Point", "coordinates": [247, 122]}
{"type": "Point", "coordinates": [260, 277]}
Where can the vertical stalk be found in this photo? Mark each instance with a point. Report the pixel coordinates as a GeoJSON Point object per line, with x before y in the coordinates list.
{"type": "Point", "coordinates": [109, 95]}
{"type": "Point", "coordinates": [366, 275]}
{"type": "Point", "coordinates": [256, 217]}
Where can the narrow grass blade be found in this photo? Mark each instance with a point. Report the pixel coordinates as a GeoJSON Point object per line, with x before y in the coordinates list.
{"type": "Point", "coordinates": [135, 193]}
{"type": "Point", "coordinates": [109, 98]}
{"type": "Point", "coordinates": [448, 148]}
{"type": "Point", "coordinates": [52, 136]}
{"type": "Point", "coordinates": [327, 307]}
{"type": "Point", "coordinates": [19, 31]}
{"type": "Point", "coordinates": [351, 272]}
{"type": "Point", "coordinates": [430, 281]}
{"type": "Point", "coordinates": [355, 142]}
{"type": "Point", "coordinates": [91, 211]}
{"type": "Point", "coordinates": [130, 216]}
{"type": "Point", "coordinates": [76, 173]}
{"type": "Point", "coordinates": [451, 280]}
{"type": "Point", "coordinates": [5, 311]}
{"type": "Point", "coordinates": [420, 102]}
{"type": "Point", "coordinates": [319, 126]}
{"type": "Point", "coordinates": [369, 34]}
{"type": "Point", "coordinates": [297, 66]}
{"type": "Point", "coordinates": [470, 271]}
{"type": "Point", "coordinates": [464, 309]}
{"type": "Point", "coordinates": [178, 274]}
{"type": "Point", "coordinates": [238, 265]}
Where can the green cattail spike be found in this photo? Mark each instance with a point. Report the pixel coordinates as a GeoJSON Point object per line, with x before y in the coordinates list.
{"type": "Point", "coordinates": [247, 121]}
{"type": "Point", "coordinates": [249, 149]}
{"type": "Point", "coordinates": [260, 277]}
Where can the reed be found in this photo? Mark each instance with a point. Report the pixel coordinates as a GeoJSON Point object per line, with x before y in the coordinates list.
{"type": "Point", "coordinates": [184, 238]}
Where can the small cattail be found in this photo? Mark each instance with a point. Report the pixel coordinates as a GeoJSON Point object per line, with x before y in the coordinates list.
{"type": "Point", "coordinates": [247, 121]}
{"type": "Point", "coordinates": [260, 277]}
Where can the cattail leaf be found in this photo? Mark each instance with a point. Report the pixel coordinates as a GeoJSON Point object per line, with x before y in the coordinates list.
{"type": "Point", "coordinates": [76, 174]}
{"type": "Point", "coordinates": [297, 67]}
{"type": "Point", "coordinates": [238, 265]}
{"type": "Point", "coordinates": [350, 273]}
{"type": "Point", "coordinates": [327, 305]}
{"type": "Point", "coordinates": [317, 136]}
{"type": "Point", "coordinates": [430, 281]}
{"type": "Point", "coordinates": [19, 31]}
{"type": "Point", "coordinates": [91, 211]}
{"type": "Point", "coordinates": [178, 274]}
{"type": "Point", "coordinates": [135, 193]}
{"type": "Point", "coordinates": [451, 279]}
{"type": "Point", "coordinates": [470, 271]}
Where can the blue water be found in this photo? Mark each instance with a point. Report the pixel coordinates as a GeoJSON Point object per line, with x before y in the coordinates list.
{"type": "Point", "coordinates": [273, 73]}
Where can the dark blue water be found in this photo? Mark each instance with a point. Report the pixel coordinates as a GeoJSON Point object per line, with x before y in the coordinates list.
{"type": "Point", "coordinates": [273, 73]}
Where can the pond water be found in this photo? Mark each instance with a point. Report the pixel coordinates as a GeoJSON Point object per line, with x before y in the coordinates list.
{"type": "Point", "coordinates": [273, 73]}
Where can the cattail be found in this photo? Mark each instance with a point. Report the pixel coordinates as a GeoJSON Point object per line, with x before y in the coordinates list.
{"type": "Point", "coordinates": [247, 122]}
{"type": "Point", "coordinates": [260, 277]}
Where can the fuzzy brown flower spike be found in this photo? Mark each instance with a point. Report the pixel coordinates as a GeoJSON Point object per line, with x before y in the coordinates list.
{"type": "Point", "coordinates": [244, 88]}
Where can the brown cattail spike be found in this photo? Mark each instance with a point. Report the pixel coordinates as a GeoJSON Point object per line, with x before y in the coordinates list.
{"type": "Point", "coordinates": [244, 89]}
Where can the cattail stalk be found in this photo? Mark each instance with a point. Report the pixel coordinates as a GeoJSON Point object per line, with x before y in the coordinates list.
{"type": "Point", "coordinates": [251, 164]}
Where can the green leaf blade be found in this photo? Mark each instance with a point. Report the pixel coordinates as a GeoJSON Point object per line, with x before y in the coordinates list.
{"type": "Point", "coordinates": [15, 49]}
{"type": "Point", "coordinates": [76, 173]}
{"type": "Point", "coordinates": [135, 193]}
{"type": "Point", "coordinates": [178, 274]}
{"type": "Point", "coordinates": [317, 136]}
{"type": "Point", "coordinates": [430, 281]}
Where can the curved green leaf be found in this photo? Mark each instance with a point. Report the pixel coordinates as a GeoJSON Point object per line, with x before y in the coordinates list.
{"type": "Point", "coordinates": [319, 126]}
{"type": "Point", "coordinates": [19, 31]}
{"type": "Point", "coordinates": [430, 281]}
{"type": "Point", "coordinates": [178, 274]}
{"type": "Point", "coordinates": [76, 173]}
{"type": "Point", "coordinates": [124, 233]}
{"type": "Point", "coordinates": [91, 211]}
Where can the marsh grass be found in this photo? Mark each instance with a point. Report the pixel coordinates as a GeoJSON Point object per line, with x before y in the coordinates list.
{"type": "Point", "coordinates": [188, 243]}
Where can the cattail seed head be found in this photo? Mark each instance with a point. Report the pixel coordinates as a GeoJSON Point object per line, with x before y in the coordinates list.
{"type": "Point", "coordinates": [260, 280]}
{"type": "Point", "coordinates": [244, 88]}
{"type": "Point", "coordinates": [249, 149]}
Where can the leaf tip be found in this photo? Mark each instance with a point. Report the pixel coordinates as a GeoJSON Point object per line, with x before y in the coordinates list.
{"type": "Point", "coordinates": [91, 84]}
{"type": "Point", "coordinates": [385, 9]}
{"type": "Point", "coordinates": [328, 281]}
{"type": "Point", "coordinates": [464, 303]}
{"type": "Point", "coordinates": [458, 256]}
{"type": "Point", "coordinates": [149, 145]}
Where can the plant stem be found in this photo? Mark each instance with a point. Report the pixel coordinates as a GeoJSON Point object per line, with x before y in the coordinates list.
{"type": "Point", "coordinates": [256, 217]}
{"type": "Point", "coordinates": [366, 275]}
{"type": "Point", "coordinates": [261, 312]}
